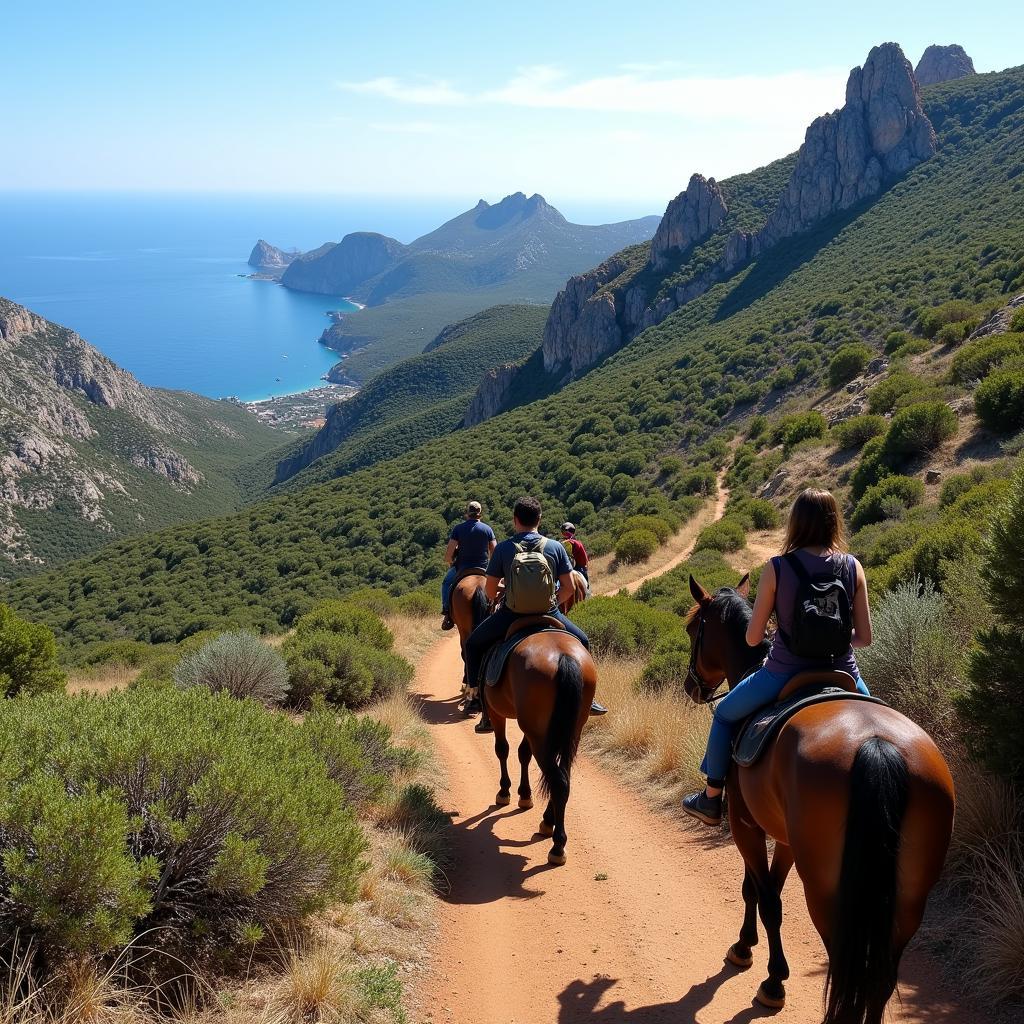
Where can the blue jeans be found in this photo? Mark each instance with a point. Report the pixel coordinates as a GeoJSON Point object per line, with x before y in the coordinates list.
{"type": "Point", "coordinates": [758, 690]}
{"type": "Point", "coordinates": [446, 588]}
{"type": "Point", "coordinates": [492, 631]}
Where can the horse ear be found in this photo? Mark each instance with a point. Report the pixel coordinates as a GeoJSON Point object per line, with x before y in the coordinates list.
{"type": "Point", "coordinates": [743, 587]}
{"type": "Point", "coordinates": [700, 595]}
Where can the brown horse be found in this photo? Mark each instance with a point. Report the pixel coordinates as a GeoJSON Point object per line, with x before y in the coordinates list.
{"type": "Point", "coordinates": [469, 608]}
{"type": "Point", "coordinates": [856, 796]}
{"type": "Point", "coordinates": [547, 685]}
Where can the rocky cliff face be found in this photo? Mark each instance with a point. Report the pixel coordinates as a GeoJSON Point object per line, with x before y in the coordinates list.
{"type": "Point", "coordinates": [689, 219]}
{"type": "Point", "coordinates": [943, 64]}
{"type": "Point", "coordinates": [847, 157]}
{"type": "Point", "coordinates": [269, 258]}
{"type": "Point", "coordinates": [340, 269]}
{"type": "Point", "coordinates": [491, 394]}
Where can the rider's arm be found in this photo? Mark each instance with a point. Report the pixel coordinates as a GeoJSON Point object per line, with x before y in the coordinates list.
{"type": "Point", "coordinates": [861, 611]}
{"type": "Point", "coordinates": [491, 584]}
{"type": "Point", "coordinates": [491, 545]}
{"type": "Point", "coordinates": [565, 584]}
{"type": "Point", "coordinates": [764, 603]}
{"type": "Point", "coordinates": [449, 552]}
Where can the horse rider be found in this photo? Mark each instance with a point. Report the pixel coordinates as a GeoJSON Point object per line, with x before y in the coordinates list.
{"type": "Point", "coordinates": [811, 551]}
{"type": "Point", "coordinates": [577, 552]}
{"type": "Point", "coordinates": [470, 546]}
{"type": "Point", "coordinates": [525, 520]}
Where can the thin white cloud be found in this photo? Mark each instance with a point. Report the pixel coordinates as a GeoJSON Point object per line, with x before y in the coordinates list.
{"type": "Point", "coordinates": [412, 127]}
{"type": "Point", "coordinates": [637, 91]}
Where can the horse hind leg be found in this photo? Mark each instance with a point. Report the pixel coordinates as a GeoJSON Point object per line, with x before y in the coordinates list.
{"type": "Point", "coordinates": [501, 749]}
{"type": "Point", "coordinates": [547, 822]}
{"type": "Point", "coordinates": [525, 793]}
{"type": "Point", "coordinates": [740, 953]}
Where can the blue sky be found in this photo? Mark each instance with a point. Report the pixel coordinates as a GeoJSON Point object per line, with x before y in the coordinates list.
{"type": "Point", "coordinates": [594, 101]}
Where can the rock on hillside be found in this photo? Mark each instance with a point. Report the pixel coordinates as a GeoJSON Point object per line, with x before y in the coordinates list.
{"type": "Point", "coordinates": [269, 258]}
{"type": "Point", "coordinates": [491, 394]}
{"type": "Point", "coordinates": [340, 269]}
{"type": "Point", "coordinates": [943, 64]}
{"type": "Point", "coordinates": [848, 156]}
{"type": "Point", "coordinates": [78, 432]}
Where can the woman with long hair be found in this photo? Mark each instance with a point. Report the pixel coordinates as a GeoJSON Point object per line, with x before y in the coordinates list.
{"type": "Point", "coordinates": [813, 548]}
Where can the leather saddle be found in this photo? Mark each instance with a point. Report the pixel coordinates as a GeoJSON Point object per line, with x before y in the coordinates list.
{"type": "Point", "coordinates": [529, 625]}
{"type": "Point", "coordinates": [473, 570]}
{"type": "Point", "coordinates": [803, 690]}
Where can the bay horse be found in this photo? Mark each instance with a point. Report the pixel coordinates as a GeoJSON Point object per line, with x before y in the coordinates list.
{"type": "Point", "coordinates": [856, 796]}
{"type": "Point", "coordinates": [547, 685]}
{"type": "Point", "coordinates": [469, 608]}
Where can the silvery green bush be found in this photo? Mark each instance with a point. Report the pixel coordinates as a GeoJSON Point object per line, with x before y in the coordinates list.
{"type": "Point", "coordinates": [238, 663]}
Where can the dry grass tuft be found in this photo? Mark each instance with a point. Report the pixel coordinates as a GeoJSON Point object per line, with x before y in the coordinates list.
{"type": "Point", "coordinates": [413, 635]}
{"type": "Point", "coordinates": [102, 679]}
{"type": "Point", "coordinates": [313, 985]}
{"type": "Point", "coordinates": [988, 812]}
{"type": "Point", "coordinates": [400, 713]}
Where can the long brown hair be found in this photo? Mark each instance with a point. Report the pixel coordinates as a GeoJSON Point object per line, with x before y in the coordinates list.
{"type": "Point", "coordinates": [814, 522]}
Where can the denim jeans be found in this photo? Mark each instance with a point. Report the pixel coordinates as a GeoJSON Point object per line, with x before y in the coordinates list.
{"type": "Point", "coordinates": [492, 631]}
{"type": "Point", "coordinates": [758, 690]}
{"type": "Point", "coordinates": [446, 588]}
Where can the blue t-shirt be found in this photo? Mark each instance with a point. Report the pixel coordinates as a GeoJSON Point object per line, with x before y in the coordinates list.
{"type": "Point", "coordinates": [473, 538]}
{"type": "Point", "coordinates": [556, 555]}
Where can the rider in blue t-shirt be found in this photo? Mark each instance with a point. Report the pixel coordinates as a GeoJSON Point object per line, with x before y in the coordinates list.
{"type": "Point", "coordinates": [469, 547]}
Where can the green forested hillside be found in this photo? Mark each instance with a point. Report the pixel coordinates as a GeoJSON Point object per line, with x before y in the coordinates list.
{"type": "Point", "coordinates": [617, 442]}
{"type": "Point", "coordinates": [417, 399]}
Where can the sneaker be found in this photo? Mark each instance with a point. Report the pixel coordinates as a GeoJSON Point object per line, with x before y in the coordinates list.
{"type": "Point", "coordinates": [447, 623]}
{"type": "Point", "coordinates": [598, 709]}
{"type": "Point", "coordinates": [704, 808]}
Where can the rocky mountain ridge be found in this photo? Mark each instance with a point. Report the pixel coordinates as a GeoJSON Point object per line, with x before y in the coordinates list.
{"type": "Point", "coordinates": [848, 157]}
{"type": "Point", "coordinates": [268, 258]}
{"type": "Point", "coordinates": [943, 64]}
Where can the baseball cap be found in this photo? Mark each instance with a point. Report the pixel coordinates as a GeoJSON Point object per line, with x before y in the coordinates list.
{"type": "Point", "coordinates": [474, 508]}
{"type": "Point", "coordinates": [568, 528]}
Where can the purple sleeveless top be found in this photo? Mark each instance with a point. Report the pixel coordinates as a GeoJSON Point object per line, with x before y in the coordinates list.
{"type": "Point", "coordinates": [780, 658]}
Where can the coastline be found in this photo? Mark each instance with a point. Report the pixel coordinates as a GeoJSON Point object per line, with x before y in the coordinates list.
{"type": "Point", "coordinates": [305, 409]}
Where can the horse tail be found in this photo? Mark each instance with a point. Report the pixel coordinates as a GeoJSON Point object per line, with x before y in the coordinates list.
{"type": "Point", "coordinates": [862, 956]}
{"type": "Point", "coordinates": [561, 740]}
{"type": "Point", "coordinates": [479, 605]}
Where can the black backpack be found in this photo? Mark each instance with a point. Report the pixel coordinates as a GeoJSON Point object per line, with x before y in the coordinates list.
{"type": "Point", "coordinates": [822, 615]}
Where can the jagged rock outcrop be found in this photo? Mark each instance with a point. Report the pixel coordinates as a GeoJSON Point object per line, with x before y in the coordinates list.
{"type": "Point", "coordinates": [999, 321]}
{"type": "Point", "coordinates": [847, 157]}
{"type": "Point", "coordinates": [688, 219]}
{"type": "Point", "coordinates": [491, 394]}
{"type": "Point", "coordinates": [269, 258]}
{"type": "Point", "coordinates": [340, 269]}
{"type": "Point", "coordinates": [943, 64]}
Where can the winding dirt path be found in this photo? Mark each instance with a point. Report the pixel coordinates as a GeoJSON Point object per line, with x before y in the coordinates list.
{"type": "Point", "coordinates": [631, 931]}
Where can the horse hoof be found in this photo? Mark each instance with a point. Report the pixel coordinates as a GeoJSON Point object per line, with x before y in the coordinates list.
{"type": "Point", "coordinates": [503, 799]}
{"type": "Point", "coordinates": [558, 859]}
{"type": "Point", "coordinates": [770, 1001]}
{"type": "Point", "coordinates": [545, 829]}
{"type": "Point", "coordinates": [737, 959]}
{"type": "Point", "coordinates": [526, 802]}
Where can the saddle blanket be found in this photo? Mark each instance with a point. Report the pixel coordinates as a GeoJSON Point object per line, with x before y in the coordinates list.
{"type": "Point", "coordinates": [494, 665]}
{"type": "Point", "coordinates": [761, 727]}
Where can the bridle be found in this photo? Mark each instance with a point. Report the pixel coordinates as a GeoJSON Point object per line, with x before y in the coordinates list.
{"type": "Point", "coordinates": [704, 691]}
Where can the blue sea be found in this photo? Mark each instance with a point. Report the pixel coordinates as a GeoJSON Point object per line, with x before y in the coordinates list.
{"type": "Point", "coordinates": [156, 282]}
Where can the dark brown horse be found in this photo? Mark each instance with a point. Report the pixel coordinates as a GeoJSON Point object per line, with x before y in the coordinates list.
{"type": "Point", "coordinates": [547, 685]}
{"type": "Point", "coordinates": [469, 608]}
{"type": "Point", "coordinates": [856, 796]}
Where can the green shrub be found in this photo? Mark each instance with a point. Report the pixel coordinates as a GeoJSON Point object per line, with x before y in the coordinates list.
{"type": "Point", "coordinates": [671, 590]}
{"type": "Point", "coordinates": [956, 311]}
{"type": "Point", "coordinates": [699, 480]}
{"type": "Point", "coordinates": [914, 347]}
{"type": "Point", "coordinates": [919, 429]}
{"type": "Point", "coordinates": [28, 657]}
{"type": "Point", "coordinates": [626, 627]}
{"type": "Point", "coordinates": [727, 534]}
{"type": "Point", "coordinates": [636, 546]}
{"type": "Point", "coordinates": [875, 503]}
{"type": "Point", "coordinates": [187, 815]}
{"type": "Point", "coordinates": [240, 664]}
{"type": "Point", "coordinates": [884, 396]}
{"type": "Point", "coordinates": [763, 514]}
{"type": "Point", "coordinates": [895, 340]}
{"type": "Point", "coordinates": [978, 358]}
{"type": "Point", "coordinates": [857, 431]}
{"type": "Point", "coordinates": [873, 466]}
{"type": "Point", "coordinates": [940, 548]}
{"type": "Point", "coordinates": [418, 604]}
{"type": "Point", "coordinates": [131, 653]}
{"type": "Point", "coordinates": [340, 668]}
{"type": "Point", "coordinates": [655, 524]}
{"type": "Point", "coordinates": [1017, 321]}
{"type": "Point", "coordinates": [346, 619]}
{"type": "Point", "coordinates": [791, 430]}
{"type": "Point", "coordinates": [847, 362]}
{"type": "Point", "coordinates": [992, 706]}
{"type": "Point", "coordinates": [999, 401]}
{"type": "Point", "coordinates": [960, 483]}
{"type": "Point", "coordinates": [666, 670]}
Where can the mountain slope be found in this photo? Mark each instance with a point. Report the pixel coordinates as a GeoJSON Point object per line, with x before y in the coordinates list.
{"type": "Point", "coordinates": [949, 229]}
{"type": "Point", "coordinates": [417, 399]}
{"type": "Point", "coordinates": [91, 454]}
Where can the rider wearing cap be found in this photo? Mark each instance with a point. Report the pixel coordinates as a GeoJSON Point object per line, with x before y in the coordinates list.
{"type": "Point", "coordinates": [470, 545]}
{"type": "Point", "coordinates": [577, 552]}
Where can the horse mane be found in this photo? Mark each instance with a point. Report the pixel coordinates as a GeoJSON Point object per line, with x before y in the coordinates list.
{"type": "Point", "coordinates": [735, 611]}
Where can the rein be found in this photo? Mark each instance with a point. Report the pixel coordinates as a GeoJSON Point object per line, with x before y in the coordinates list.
{"type": "Point", "coordinates": [693, 674]}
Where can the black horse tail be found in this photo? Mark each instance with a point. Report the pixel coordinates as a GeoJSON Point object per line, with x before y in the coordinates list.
{"type": "Point", "coordinates": [863, 959]}
{"type": "Point", "coordinates": [480, 605]}
{"type": "Point", "coordinates": [560, 742]}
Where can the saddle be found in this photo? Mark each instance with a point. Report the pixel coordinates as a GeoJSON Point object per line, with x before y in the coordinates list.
{"type": "Point", "coordinates": [803, 690]}
{"type": "Point", "coordinates": [530, 625]}
{"type": "Point", "coordinates": [473, 570]}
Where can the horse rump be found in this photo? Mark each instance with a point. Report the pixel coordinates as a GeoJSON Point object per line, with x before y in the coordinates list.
{"type": "Point", "coordinates": [561, 740]}
{"type": "Point", "coordinates": [863, 958]}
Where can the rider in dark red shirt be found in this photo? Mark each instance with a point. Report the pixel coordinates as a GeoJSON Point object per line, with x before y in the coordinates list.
{"type": "Point", "coordinates": [577, 552]}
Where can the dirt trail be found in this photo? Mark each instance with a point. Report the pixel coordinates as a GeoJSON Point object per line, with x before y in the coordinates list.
{"type": "Point", "coordinates": [631, 931]}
